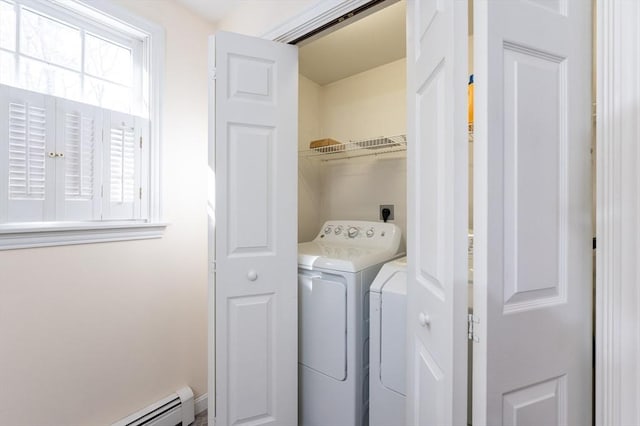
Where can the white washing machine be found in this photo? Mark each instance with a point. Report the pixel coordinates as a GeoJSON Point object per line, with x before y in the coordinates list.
{"type": "Point", "coordinates": [388, 305]}
{"type": "Point", "coordinates": [335, 271]}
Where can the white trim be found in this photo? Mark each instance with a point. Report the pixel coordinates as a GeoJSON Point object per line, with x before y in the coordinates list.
{"type": "Point", "coordinates": [201, 403]}
{"type": "Point", "coordinates": [211, 229]}
{"type": "Point", "coordinates": [618, 228]}
{"type": "Point", "coordinates": [318, 15]}
{"type": "Point", "coordinates": [19, 236]}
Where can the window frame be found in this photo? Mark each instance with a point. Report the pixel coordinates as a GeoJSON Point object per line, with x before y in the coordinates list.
{"type": "Point", "coordinates": [43, 234]}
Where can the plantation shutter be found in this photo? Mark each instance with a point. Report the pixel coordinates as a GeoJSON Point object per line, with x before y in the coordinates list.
{"type": "Point", "coordinates": [79, 169]}
{"type": "Point", "coordinates": [27, 155]}
{"type": "Point", "coordinates": [62, 160]}
{"type": "Point", "coordinates": [123, 166]}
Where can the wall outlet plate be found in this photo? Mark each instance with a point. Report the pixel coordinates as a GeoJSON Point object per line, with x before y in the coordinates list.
{"type": "Point", "coordinates": [386, 206]}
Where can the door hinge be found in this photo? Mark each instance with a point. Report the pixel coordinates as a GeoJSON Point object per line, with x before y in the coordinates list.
{"type": "Point", "coordinates": [212, 267]}
{"type": "Point", "coordinates": [212, 74]}
{"type": "Point", "coordinates": [101, 190]}
{"type": "Point", "coordinates": [472, 325]}
{"type": "Point", "coordinates": [140, 142]}
{"type": "Point", "coordinates": [140, 193]}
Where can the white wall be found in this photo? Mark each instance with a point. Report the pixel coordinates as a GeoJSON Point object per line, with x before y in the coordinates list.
{"type": "Point", "coordinates": [92, 333]}
{"type": "Point", "coordinates": [369, 104]}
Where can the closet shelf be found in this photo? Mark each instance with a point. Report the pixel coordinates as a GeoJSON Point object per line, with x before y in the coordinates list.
{"type": "Point", "coordinates": [360, 148]}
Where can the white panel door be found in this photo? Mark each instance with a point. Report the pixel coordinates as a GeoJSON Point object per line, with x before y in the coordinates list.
{"type": "Point", "coordinates": [437, 212]}
{"type": "Point", "coordinates": [255, 144]}
{"type": "Point", "coordinates": [533, 286]}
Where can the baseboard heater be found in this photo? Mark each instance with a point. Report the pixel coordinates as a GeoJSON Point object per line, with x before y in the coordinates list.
{"type": "Point", "coordinates": [173, 410]}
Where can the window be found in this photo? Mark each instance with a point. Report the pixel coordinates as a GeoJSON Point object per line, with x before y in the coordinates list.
{"type": "Point", "coordinates": [75, 123]}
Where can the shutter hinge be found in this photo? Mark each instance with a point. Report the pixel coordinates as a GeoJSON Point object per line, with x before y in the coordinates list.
{"type": "Point", "coordinates": [472, 325]}
{"type": "Point", "coordinates": [140, 142]}
{"type": "Point", "coordinates": [140, 193]}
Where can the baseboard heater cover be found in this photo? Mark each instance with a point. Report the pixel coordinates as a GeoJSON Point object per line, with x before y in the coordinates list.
{"type": "Point", "coordinates": [175, 409]}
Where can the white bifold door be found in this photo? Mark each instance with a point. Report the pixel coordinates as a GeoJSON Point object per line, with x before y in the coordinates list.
{"type": "Point", "coordinates": [532, 260]}
{"type": "Point", "coordinates": [437, 217]}
{"type": "Point", "coordinates": [532, 291]}
{"type": "Point", "coordinates": [255, 161]}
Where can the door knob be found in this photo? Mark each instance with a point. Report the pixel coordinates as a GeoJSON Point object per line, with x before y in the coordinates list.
{"type": "Point", "coordinates": [424, 319]}
{"type": "Point", "coordinates": [252, 275]}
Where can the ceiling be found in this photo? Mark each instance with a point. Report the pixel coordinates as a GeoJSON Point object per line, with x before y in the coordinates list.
{"type": "Point", "coordinates": [213, 10]}
{"type": "Point", "coordinates": [368, 43]}
{"type": "Point", "coordinates": [217, 11]}
{"type": "Point", "coordinates": [374, 40]}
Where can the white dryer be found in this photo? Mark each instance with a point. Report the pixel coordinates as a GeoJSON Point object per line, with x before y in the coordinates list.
{"type": "Point", "coordinates": [388, 305]}
{"type": "Point", "coordinates": [335, 271]}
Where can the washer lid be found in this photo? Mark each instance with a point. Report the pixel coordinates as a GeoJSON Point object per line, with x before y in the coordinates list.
{"type": "Point", "coordinates": [339, 257]}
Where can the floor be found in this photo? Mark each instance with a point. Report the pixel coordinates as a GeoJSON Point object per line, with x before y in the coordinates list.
{"type": "Point", "coordinates": [201, 419]}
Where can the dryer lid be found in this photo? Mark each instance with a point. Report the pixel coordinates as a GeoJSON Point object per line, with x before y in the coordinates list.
{"type": "Point", "coordinates": [392, 277]}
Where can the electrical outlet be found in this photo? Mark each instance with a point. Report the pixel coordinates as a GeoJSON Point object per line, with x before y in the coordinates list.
{"type": "Point", "coordinates": [386, 206]}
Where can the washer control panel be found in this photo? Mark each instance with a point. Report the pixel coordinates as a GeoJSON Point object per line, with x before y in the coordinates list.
{"type": "Point", "coordinates": [360, 233]}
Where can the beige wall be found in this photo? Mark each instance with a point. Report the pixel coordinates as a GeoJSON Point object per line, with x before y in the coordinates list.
{"type": "Point", "coordinates": [94, 332]}
{"type": "Point", "coordinates": [309, 177]}
{"type": "Point", "coordinates": [369, 104]}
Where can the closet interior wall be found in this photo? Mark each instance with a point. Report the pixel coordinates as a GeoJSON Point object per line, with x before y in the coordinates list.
{"type": "Point", "coordinates": [366, 105]}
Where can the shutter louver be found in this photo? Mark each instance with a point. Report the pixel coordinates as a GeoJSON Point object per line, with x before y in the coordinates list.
{"type": "Point", "coordinates": [27, 136]}
{"type": "Point", "coordinates": [27, 151]}
{"type": "Point", "coordinates": [123, 167]}
{"type": "Point", "coordinates": [79, 153]}
{"type": "Point", "coordinates": [123, 164]}
{"type": "Point", "coordinates": [78, 172]}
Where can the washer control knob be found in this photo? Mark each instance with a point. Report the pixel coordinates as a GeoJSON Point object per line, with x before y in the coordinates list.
{"type": "Point", "coordinates": [370, 232]}
{"type": "Point", "coordinates": [327, 230]}
{"type": "Point", "coordinates": [353, 232]}
{"type": "Point", "coordinates": [338, 230]}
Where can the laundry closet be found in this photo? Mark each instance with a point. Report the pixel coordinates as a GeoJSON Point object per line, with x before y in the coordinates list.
{"type": "Point", "coordinates": [352, 175]}
{"type": "Point", "coordinates": [352, 89]}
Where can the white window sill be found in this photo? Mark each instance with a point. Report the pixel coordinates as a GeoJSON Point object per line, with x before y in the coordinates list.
{"type": "Point", "coordinates": [24, 235]}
